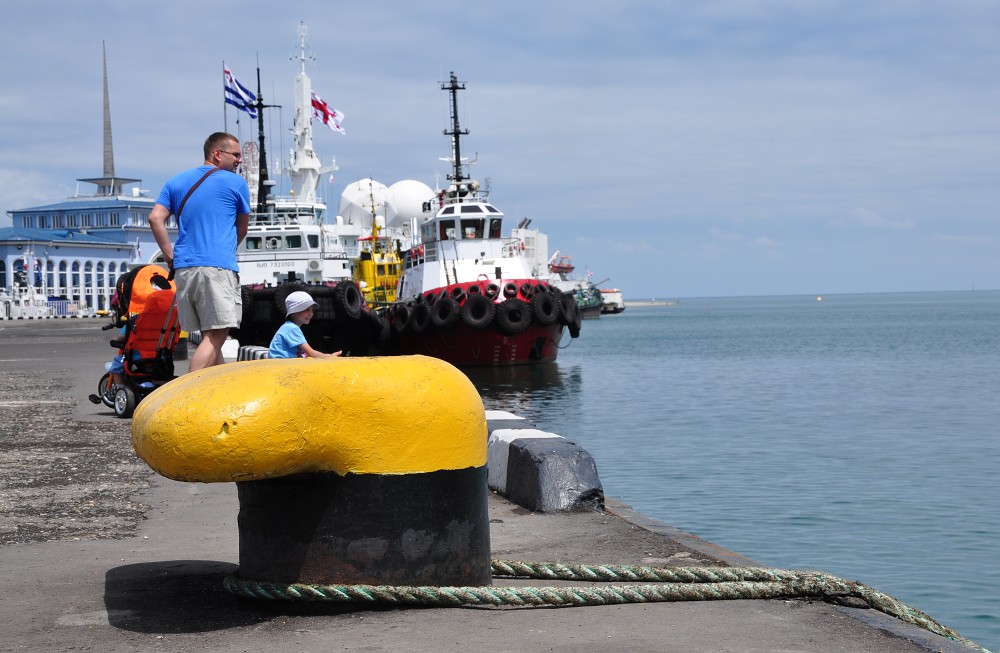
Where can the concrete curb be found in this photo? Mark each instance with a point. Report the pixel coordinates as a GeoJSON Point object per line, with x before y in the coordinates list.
{"type": "Point", "coordinates": [251, 353]}
{"type": "Point", "coordinates": [540, 471]}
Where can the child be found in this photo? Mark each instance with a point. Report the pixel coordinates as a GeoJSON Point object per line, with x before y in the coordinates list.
{"type": "Point", "coordinates": [116, 368]}
{"type": "Point", "coordinates": [289, 341]}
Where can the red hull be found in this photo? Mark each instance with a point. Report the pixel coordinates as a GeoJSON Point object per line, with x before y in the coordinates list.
{"type": "Point", "coordinates": [462, 345]}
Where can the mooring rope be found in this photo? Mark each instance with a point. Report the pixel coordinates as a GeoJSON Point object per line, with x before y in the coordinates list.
{"type": "Point", "coordinates": [672, 584]}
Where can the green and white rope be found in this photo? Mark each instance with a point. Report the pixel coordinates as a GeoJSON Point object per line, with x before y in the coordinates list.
{"type": "Point", "coordinates": [671, 584]}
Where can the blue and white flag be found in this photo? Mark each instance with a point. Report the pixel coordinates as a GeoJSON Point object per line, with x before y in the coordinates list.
{"type": "Point", "coordinates": [237, 94]}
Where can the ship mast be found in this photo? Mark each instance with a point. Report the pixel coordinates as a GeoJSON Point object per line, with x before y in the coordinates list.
{"type": "Point", "coordinates": [263, 183]}
{"type": "Point", "coordinates": [453, 87]}
{"type": "Point", "coordinates": [305, 168]}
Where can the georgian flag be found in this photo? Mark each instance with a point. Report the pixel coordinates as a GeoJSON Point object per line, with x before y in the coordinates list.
{"type": "Point", "coordinates": [330, 116]}
{"type": "Point", "coordinates": [237, 94]}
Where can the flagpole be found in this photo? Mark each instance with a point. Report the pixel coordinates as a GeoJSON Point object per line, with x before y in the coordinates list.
{"type": "Point", "coordinates": [225, 114]}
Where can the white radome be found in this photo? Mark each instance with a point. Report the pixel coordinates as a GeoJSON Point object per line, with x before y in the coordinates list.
{"type": "Point", "coordinates": [408, 197]}
{"type": "Point", "coordinates": [357, 199]}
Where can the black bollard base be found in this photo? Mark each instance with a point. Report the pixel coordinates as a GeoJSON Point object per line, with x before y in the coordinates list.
{"type": "Point", "coordinates": [407, 529]}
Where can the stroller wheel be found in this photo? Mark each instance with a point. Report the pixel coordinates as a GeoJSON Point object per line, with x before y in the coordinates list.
{"type": "Point", "coordinates": [103, 394]}
{"type": "Point", "coordinates": [124, 402]}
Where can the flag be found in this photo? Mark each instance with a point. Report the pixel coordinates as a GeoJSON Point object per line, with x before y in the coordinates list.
{"type": "Point", "coordinates": [138, 249]}
{"type": "Point", "coordinates": [237, 94]}
{"type": "Point", "coordinates": [330, 116]}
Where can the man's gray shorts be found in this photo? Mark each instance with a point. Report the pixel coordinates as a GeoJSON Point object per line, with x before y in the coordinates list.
{"type": "Point", "coordinates": [208, 298]}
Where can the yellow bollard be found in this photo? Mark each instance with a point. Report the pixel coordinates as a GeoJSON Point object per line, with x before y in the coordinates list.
{"type": "Point", "coordinates": [354, 470]}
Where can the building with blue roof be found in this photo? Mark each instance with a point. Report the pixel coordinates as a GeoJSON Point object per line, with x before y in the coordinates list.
{"type": "Point", "coordinates": [73, 251]}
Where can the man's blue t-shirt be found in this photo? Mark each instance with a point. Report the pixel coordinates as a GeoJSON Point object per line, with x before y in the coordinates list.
{"type": "Point", "coordinates": [285, 343]}
{"type": "Point", "coordinates": [207, 230]}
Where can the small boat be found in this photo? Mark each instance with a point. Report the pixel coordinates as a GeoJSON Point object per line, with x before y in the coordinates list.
{"type": "Point", "coordinates": [613, 302]}
{"type": "Point", "coordinates": [466, 294]}
{"type": "Point", "coordinates": [378, 267]}
{"type": "Point", "coordinates": [561, 264]}
{"type": "Point", "coordinates": [24, 303]}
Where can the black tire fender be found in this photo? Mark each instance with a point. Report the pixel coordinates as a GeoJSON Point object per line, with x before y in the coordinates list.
{"type": "Point", "coordinates": [445, 313]}
{"type": "Point", "coordinates": [545, 307]}
{"type": "Point", "coordinates": [347, 299]}
{"type": "Point", "coordinates": [420, 318]}
{"type": "Point", "coordinates": [478, 311]}
{"type": "Point", "coordinates": [513, 316]}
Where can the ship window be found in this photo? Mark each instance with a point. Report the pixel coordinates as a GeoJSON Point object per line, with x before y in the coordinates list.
{"type": "Point", "coordinates": [495, 228]}
{"type": "Point", "coordinates": [447, 230]}
{"type": "Point", "coordinates": [313, 240]}
{"type": "Point", "coordinates": [472, 228]}
{"type": "Point", "coordinates": [253, 244]}
{"type": "Point", "coordinates": [448, 210]}
{"type": "Point", "coordinates": [471, 208]}
{"type": "Point", "coordinates": [490, 209]}
{"type": "Point", "coordinates": [273, 243]}
{"type": "Point", "coordinates": [293, 242]}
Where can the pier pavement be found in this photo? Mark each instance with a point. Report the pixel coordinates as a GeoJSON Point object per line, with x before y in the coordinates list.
{"type": "Point", "coordinates": [99, 553]}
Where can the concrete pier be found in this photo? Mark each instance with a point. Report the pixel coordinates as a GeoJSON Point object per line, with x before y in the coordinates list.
{"type": "Point", "coordinates": [98, 552]}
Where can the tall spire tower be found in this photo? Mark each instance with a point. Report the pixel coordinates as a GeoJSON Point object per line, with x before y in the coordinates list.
{"type": "Point", "coordinates": [108, 185]}
{"type": "Point", "coordinates": [109, 153]}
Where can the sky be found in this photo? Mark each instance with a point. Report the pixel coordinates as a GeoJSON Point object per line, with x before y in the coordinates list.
{"type": "Point", "coordinates": [672, 148]}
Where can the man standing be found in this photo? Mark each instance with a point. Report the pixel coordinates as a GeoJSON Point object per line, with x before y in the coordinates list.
{"type": "Point", "coordinates": [212, 205]}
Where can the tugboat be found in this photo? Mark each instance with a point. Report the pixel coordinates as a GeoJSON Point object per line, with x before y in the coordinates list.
{"type": "Point", "coordinates": [467, 295]}
{"type": "Point", "coordinates": [380, 264]}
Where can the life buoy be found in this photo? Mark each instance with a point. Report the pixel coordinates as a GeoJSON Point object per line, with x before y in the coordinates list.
{"type": "Point", "coordinates": [445, 313]}
{"type": "Point", "coordinates": [513, 316]}
{"type": "Point", "coordinates": [546, 308]}
{"type": "Point", "coordinates": [477, 311]}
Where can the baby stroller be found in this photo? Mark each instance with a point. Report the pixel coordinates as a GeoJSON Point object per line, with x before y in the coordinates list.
{"type": "Point", "coordinates": [144, 308]}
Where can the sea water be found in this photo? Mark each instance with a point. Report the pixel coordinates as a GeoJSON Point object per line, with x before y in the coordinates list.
{"type": "Point", "coordinates": [854, 434]}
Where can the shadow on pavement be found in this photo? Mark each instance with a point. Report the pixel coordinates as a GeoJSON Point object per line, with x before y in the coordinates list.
{"type": "Point", "coordinates": [176, 596]}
